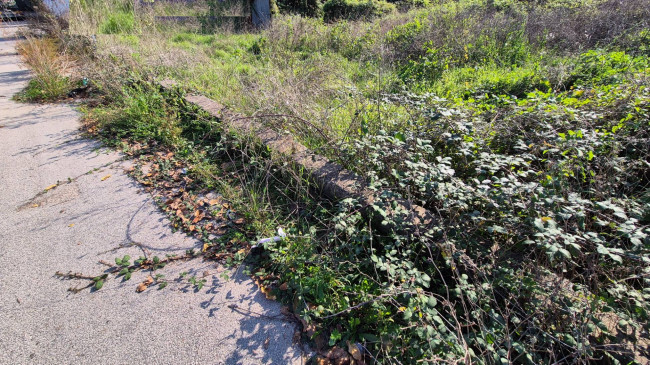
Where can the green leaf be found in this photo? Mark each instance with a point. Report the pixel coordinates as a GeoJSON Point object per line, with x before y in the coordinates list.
{"type": "Point", "coordinates": [335, 336]}
{"type": "Point", "coordinates": [162, 285]}
{"type": "Point", "coordinates": [99, 284]}
{"type": "Point", "coordinates": [565, 253]}
{"type": "Point", "coordinates": [570, 340]}
{"type": "Point", "coordinates": [590, 155]}
{"type": "Point", "coordinates": [369, 337]}
{"type": "Point", "coordinates": [432, 302]}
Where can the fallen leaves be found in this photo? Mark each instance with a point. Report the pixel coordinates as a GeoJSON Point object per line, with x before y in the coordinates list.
{"type": "Point", "coordinates": [144, 285]}
{"type": "Point", "coordinates": [353, 349]}
{"type": "Point", "coordinates": [106, 177]}
{"type": "Point", "coordinates": [338, 356]}
{"type": "Point", "coordinates": [268, 292]}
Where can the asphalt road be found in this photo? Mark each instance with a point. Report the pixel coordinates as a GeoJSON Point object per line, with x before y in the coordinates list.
{"type": "Point", "coordinates": [73, 226]}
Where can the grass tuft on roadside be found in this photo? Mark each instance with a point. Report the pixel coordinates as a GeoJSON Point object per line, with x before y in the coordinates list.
{"type": "Point", "coordinates": [51, 70]}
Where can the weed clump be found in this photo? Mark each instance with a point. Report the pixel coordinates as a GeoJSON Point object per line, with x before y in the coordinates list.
{"type": "Point", "coordinates": [118, 23]}
{"type": "Point", "coordinates": [51, 81]}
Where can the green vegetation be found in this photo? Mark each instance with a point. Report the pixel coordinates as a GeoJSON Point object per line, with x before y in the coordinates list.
{"type": "Point", "coordinates": [523, 127]}
{"type": "Point", "coordinates": [50, 81]}
{"type": "Point", "coordinates": [353, 9]}
{"type": "Point", "coordinates": [121, 22]}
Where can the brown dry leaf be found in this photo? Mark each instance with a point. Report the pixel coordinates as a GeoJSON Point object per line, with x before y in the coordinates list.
{"type": "Point", "coordinates": [144, 285]}
{"type": "Point", "coordinates": [213, 202]}
{"type": "Point", "coordinates": [321, 342]}
{"type": "Point", "coordinates": [285, 310]}
{"type": "Point", "coordinates": [198, 216]}
{"type": "Point", "coordinates": [336, 353]}
{"type": "Point", "coordinates": [51, 187]}
{"type": "Point", "coordinates": [323, 361]}
{"type": "Point", "coordinates": [267, 292]}
{"type": "Point", "coordinates": [284, 286]}
{"type": "Point", "coordinates": [129, 169]}
{"type": "Point", "coordinates": [308, 328]}
{"type": "Point", "coordinates": [354, 351]}
{"type": "Point", "coordinates": [106, 177]}
{"type": "Point", "coordinates": [239, 221]}
{"type": "Point", "coordinates": [345, 360]}
{"type": "Point", "coordinates": [266, 343]}
{"type": "Point", "coordinates": [191, 228]}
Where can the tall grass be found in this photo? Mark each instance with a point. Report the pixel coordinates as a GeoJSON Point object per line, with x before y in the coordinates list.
{"type": "Point", "coordinates": [52, 70]}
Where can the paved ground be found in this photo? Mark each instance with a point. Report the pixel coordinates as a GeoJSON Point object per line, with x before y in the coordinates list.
{"type": "Point", "coordinates": [79, 223]}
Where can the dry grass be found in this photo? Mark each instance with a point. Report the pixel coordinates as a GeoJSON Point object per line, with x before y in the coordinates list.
{"type": "Point", "coordinates": [53, 70]}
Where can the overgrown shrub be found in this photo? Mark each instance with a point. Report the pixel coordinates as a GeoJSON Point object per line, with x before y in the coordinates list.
{"type": "Point", "coordinates": [309, 8]}
{"type": "Point", "coordinates": [142, 114]}
{"type": "Point", "coordinates": [522, 127]}
{"type": "Point", "coordinates": [355, 9]}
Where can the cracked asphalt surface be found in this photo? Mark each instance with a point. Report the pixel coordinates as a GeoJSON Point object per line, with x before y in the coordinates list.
{"type": "Point", "coordinates": [73, 226]}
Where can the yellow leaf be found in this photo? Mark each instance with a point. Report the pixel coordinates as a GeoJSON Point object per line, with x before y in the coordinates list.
{"type": "Point", "coordinates": [71, 225]}
{"type": "Point", "coordinates": [106, 177]}
{"type": "Point", "coordinates": [50, 187]}
{"type": "Point", "coordinates": [546, 219]}
{"type": "Point", "coordinates": [402, 309]}
{"type": "Point", "coordinates": [205, 247]}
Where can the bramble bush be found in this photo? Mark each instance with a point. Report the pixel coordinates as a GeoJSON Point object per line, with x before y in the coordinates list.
{"type": "Point", "coordinates": [522, 127]}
